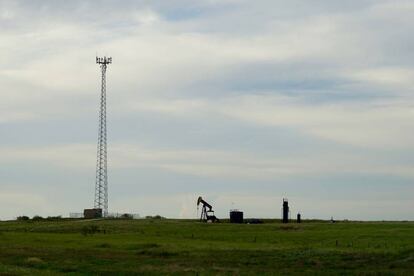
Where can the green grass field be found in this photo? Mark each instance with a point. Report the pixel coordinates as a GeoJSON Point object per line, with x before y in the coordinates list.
{"type": "Point", "coordinates": [189, 247]}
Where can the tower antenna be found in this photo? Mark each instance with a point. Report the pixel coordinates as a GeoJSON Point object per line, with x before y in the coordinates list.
{"type": "Point", "coordinates": [101, 184]}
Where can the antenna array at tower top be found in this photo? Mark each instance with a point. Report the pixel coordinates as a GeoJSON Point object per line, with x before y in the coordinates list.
{"type": "Point", "coordinates": [103, 60]}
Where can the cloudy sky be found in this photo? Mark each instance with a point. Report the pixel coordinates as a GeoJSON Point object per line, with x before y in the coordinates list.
{"type": "Point", "coordinates": [242, 102]}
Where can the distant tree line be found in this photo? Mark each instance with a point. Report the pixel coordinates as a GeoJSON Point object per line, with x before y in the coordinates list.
{"type": "Point", "coordinates": [39, 218]}
{"type": "Point", "coordinates": [155, 217]}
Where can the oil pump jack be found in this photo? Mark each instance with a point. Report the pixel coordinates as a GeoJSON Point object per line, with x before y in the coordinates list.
{"type": "Point", "coordinates": [207, 213]}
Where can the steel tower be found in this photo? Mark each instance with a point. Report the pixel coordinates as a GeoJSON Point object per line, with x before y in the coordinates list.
{"type": "Point", "coordinates": [101, 184]}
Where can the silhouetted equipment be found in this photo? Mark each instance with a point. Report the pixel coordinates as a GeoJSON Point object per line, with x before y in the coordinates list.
{"type": "Point", "coordinates": [254, 221]}
{"type": "Point", "coordinates": [298, 218]}
{"type": "Point", "coordinates": [236, 216]}
{"type": "Point", "coordinates": [92, 213]}
{"type": "Point", "coordinates": [207, 213]}
{"type": "Point", "coordinates": [285, 211]}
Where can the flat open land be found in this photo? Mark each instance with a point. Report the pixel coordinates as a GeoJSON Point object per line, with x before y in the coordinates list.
{"type": "Point", "coordinates": [189, 247]}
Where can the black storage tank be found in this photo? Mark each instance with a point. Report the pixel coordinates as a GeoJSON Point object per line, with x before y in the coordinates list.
{"type": "Point", "coordinates": [236, 216]}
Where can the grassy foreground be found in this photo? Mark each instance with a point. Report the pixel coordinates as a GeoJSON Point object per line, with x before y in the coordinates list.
{"type": "Point", "coordinates": [183, 246]}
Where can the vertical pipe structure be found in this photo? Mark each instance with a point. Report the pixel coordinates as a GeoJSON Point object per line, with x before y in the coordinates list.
{"type": "Point", "coordinates": [101, 183]}
{"type": "Point", "coordinates": [285, 211]}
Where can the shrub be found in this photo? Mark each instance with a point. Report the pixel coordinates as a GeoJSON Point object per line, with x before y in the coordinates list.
{"type": "Point", "coordinates": [37, 218]}
{"type": "Point", "coordinates": [155, 217]}
{"type": "Point", "coordinates": [126, 216]}
{"type": "Point", "coordinates": [54, 218]}
{"type": "Point", "coordinates": [23, 218]}
{"type": "Point", "coordinates": [90, 230]}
